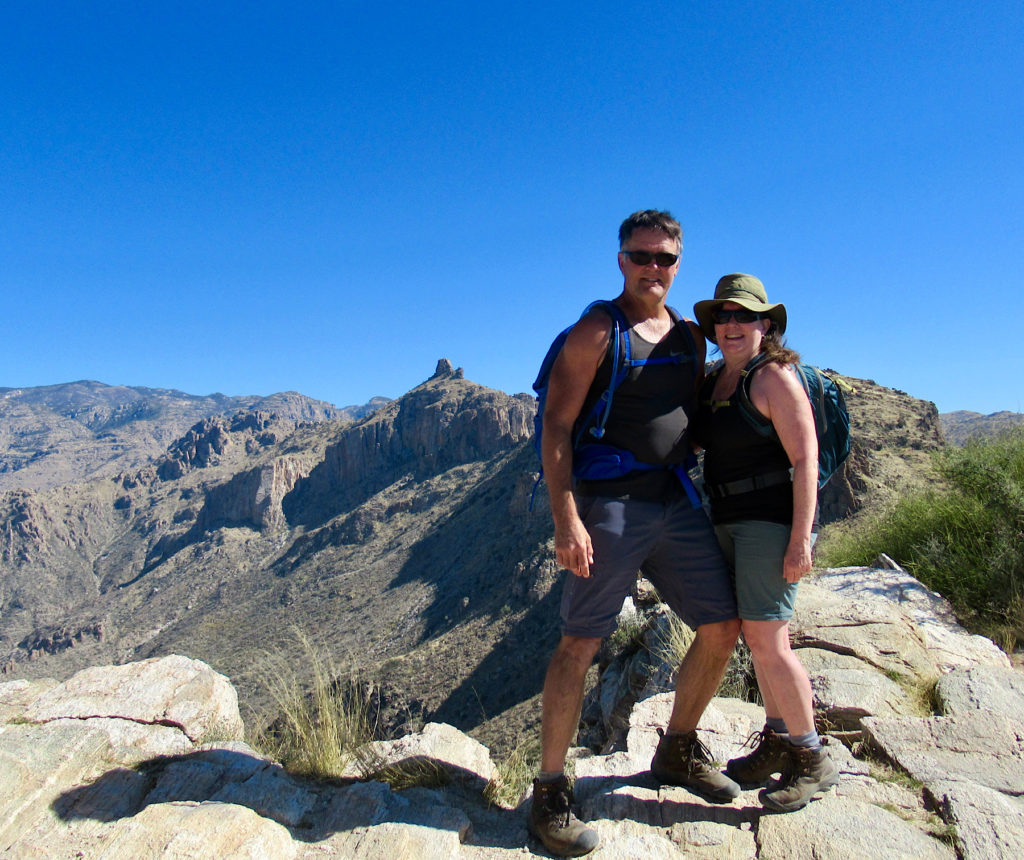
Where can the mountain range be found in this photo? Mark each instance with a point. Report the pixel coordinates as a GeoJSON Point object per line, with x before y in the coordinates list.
{"type": "Point", "coordinates": [398, 537]}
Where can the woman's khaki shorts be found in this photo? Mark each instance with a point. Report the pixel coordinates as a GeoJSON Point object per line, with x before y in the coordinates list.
{"type": "Point", "coordinates": [755, 550]}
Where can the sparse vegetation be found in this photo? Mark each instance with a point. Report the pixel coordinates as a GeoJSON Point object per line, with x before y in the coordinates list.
{"type": "Point", "coordinates": [628, 634]}
{"type": "Point", "coordinates": [920, 691]}
{"type": "Point", "coordinates": [740, 682]}
{"type": "Point", "coordinates": [321, 731]}
{"type": "Point", "coordinates": [673, 639]}
{"type": "Point", "coordinates": [515, 772]}
{"type": "Point", "coordinates": [964, 539]}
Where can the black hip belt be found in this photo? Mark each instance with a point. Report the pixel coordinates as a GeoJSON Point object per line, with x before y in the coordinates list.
{"type": "Point", "coordinates": [746, 485]}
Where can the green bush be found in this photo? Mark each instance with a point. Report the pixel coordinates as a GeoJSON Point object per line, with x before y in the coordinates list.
{"type": "Point", "coordinates": [964, 539]}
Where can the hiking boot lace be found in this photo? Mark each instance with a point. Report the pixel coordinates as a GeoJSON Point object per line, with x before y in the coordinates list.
{"type": "Point", "coordinates": [700, 752]}
{"type": "Point", "coordinates": [760, 743]}
{"type": "Point", "coordinates": [557, 805]}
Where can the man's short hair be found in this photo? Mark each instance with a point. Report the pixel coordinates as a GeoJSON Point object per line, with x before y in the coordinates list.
{"type": "Point", "coordinates": [651, 219]}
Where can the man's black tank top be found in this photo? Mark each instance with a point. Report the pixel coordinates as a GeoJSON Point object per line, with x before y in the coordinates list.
{"type": "Point", "coordinates": [650, 416]}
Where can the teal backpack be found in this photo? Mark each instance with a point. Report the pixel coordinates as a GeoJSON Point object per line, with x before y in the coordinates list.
{"type": "Point", "coordinates": [828, 403]}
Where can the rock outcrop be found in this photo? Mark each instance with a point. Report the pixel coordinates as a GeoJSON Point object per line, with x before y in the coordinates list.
{"type": "Point", "coordinates": [146, 760]}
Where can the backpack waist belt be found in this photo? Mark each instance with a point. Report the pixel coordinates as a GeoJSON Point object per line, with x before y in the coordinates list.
{"type": "Point", "coordinates": [746, 485]}
{"type": "Point", "coordinates": [603, 462]}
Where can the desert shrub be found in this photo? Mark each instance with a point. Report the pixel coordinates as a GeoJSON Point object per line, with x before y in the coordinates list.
{"type": "Point", "coordinates": [326, 724]}
{"type": "Point", "coordinates": [964, 539]}
{"type": "Point", "coordinates": [515, 772]}
{"type": "Point", "coordinates": [320, 730]}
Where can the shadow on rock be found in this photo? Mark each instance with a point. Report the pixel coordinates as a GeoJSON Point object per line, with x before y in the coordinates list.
{"type": "Point", "coordinates": [312, 810]}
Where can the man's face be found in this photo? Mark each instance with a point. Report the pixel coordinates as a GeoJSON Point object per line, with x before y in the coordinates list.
{"type": "Point", "coordinates": [647, 280]}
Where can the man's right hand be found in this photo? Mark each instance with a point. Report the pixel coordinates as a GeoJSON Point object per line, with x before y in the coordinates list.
{"type": "Point", "coordinates": [573, 549]}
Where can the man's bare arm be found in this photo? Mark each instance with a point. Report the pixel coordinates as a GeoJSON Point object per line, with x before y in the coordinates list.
{"type": "Point", "coordinates": [571, 377]}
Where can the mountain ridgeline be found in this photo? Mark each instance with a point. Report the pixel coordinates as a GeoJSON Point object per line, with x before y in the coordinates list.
{"type": "Point", "coordinates": [399, 541]}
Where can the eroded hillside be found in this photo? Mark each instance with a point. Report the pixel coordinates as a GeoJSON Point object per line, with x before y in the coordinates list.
{"type": "Point", "coordinates": [401, 543]}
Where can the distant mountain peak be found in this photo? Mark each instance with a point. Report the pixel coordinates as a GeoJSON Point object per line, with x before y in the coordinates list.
{"type": "Point", "coordinates": [444, 369]}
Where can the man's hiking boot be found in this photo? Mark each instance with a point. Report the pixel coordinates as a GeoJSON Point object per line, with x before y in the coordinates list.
{"type": "Point", "coordinates": [684, 760]}
{"type": "Point", "coordinates": [770, 756]}
{"type": "Point", "coordinates": [807, 772]}
{"type": "Point", "coordinates": [552, 821]}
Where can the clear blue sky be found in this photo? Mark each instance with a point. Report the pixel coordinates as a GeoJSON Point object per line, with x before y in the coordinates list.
{"type": "Point", "coordinates": [328, 197]}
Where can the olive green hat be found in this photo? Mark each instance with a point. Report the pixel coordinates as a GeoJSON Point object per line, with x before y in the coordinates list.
{"type": "Point", "coordinates": [746, 291]}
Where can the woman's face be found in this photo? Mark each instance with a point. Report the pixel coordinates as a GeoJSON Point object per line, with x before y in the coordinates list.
{"type": "Point", "coordinates": [739, 338]}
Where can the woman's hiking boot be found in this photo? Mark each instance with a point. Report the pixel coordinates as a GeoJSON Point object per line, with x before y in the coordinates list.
{"type": "Point", "coordinates": [807, 772]}
{"type": "Point", "coordinates": [552, 821]}
{"type": "Point", "coordinates": [682, 759]}
{"type": "Point", "coordinates": [769, 756]}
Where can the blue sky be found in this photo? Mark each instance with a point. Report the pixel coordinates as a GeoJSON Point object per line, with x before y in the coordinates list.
{"type": "Point", "coordinates": [328, 197]}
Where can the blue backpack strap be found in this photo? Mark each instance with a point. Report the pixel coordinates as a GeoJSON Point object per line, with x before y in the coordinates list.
{"type": "Point", "coordinates": [621, 362]}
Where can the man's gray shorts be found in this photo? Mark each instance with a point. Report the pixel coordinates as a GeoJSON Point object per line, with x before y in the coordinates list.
{"type": "Point", "coordinates": [672, 544]}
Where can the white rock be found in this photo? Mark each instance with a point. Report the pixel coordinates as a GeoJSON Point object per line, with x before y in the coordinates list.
{"type": "Point", "coordinates": [171, 690]}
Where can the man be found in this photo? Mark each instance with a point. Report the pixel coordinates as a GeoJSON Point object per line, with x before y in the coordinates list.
{"type": "Point", "coordinates": [610, 528]}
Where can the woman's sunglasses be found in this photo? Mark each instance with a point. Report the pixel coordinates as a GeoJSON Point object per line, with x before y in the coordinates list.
{"type": "Point", "coordinates": [741, 315]}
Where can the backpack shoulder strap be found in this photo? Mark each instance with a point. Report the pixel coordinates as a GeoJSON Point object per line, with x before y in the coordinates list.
{"type": "Point", "coordinates": [756, 420]}
{"type": "Point", "coordinates": [684, 325]}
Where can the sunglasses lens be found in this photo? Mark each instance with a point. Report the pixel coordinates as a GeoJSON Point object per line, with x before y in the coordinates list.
{"type": "Point", "coordinates": [644, 258]}
{"type": "Point", "coordinates": [741, 316]}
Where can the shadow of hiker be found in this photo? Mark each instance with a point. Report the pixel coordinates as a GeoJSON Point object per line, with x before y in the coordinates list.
{"type": "Point", "coordinates": [311, 809]}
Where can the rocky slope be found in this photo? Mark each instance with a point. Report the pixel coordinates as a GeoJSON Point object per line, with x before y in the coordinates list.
{"type": "Point", "coordinates": [55, 435]}
{"type": "Point", "coordinates": [147, 760]}
{"type": "Point", "coordinates": [960, 426]}
{"type": "Point", "coordinates": [401, 544]}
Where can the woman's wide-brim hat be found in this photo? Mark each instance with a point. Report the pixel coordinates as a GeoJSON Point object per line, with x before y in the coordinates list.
{"type": "Point", "coordinates": [746, 291]}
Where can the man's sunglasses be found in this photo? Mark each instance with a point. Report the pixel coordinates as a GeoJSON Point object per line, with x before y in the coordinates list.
{"type": "Point", "coordinates": [644, 258]}
{"type": "Point", "coordinates": [741, 315]}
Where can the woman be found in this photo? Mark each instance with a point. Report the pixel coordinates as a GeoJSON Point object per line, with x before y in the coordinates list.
{"type": "Point", "coordinates": [763, 492]}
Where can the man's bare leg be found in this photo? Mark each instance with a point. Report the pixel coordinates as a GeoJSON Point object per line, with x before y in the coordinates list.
{"type": "Point", "coordinates": [563, 698]}
{"type": "Point", "coordinates": [701, 672]}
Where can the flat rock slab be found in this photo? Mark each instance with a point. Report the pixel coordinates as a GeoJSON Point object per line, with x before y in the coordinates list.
{"type": "Point", "coordinates": [438, 744]}
{"type": "Point", "coordinates": [931, 613]}
{"type": "Point", "coordinates": [979, 747]}
{"type": "Point", "coordinates": [170, 691]}
{"type": "Point", "coordinates": [706, 840]}
{"type": "Point", "coordinates": [847, 689]}
{"type": "Point", "coordinates": [988, 824]}
{"type": "Point", "coordinates": [870, 629]}
{"type": "Point", "coordinates": [985, 688]}
{"type": "Point", "coordinates": [185, 831]}
{"type": "Point", "coordinates": [834, 829]}
{"type": "Point", "coordinates": [15, 696]}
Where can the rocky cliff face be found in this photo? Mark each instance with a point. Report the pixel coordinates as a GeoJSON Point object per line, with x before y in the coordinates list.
{"type": "Point", "coordinates": [892, 436]}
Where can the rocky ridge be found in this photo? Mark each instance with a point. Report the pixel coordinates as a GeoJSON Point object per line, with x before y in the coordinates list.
{"type": "Point", "coordinates": [962, 425]}
{"type": "Point", "coordinates": [147, 759]}
{"type": "Point", "coordinates": [55, 435]}
{"type": "Point", "coordinates": [402, 543]}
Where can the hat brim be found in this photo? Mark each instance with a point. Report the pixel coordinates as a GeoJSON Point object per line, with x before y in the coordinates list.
{"type": "Point", "coordinates": [704, 310]}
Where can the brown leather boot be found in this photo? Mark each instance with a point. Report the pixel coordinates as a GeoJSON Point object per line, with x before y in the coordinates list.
{"type": "Point", "coordinates": [684, 760]}
{"type": "Point", "coordinates": [807, 772]}
{"type": "Point", "coordinates": [552, 821]}
{"type": "Point", "coordinates": [769, 756]}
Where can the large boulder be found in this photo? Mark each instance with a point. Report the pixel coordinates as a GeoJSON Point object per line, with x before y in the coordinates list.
{"type": "Point", "coordinates": [163, 691]}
